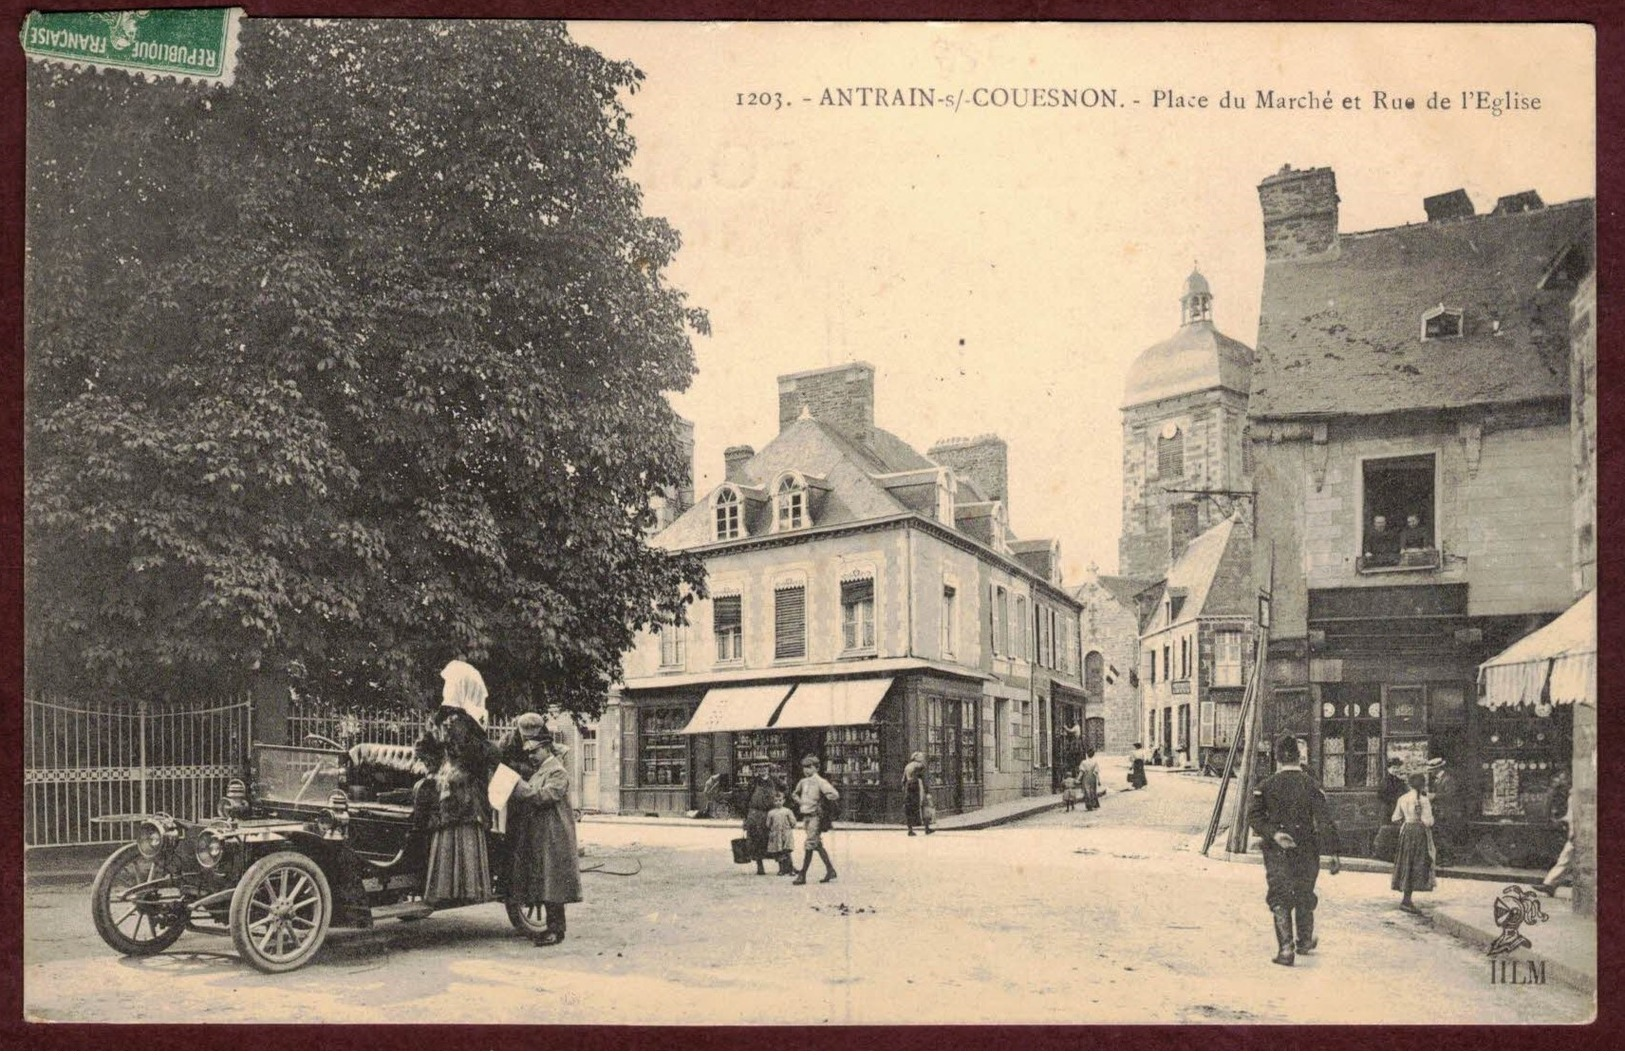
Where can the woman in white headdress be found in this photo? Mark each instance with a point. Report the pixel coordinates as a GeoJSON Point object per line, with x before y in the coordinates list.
{"type": "Point", "coordinates": [461, 760]}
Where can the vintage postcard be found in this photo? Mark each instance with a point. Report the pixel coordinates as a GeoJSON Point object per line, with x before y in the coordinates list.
{"type": "Point", "coordinates": [809, 524]}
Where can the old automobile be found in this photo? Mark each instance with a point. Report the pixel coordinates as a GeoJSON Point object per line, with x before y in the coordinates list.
{"type": "Point", "coordinates": [318, 838]}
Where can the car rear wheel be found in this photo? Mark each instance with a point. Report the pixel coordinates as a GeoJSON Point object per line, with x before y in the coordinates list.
{"type": "Point", "coordinates": [280, 912]}
{"type": "Point", "coordinates": [529, 920]}
{"type": "Point", "coordinates": [142, 923]}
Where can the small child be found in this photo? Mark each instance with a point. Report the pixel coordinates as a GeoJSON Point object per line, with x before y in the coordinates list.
{"type": "Point", "coordinates": [1069, 794]}
{"type": "Point", "coordinates": [781, 840]}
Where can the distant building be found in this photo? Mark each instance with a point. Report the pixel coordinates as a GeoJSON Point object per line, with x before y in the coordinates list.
{"type": "Point", "coordinates": [1410, 421]}
{"type": "Point", "coordinates": [865, 602]}
{"type": "Point", "coordinates": [1184, 416]}
{"type": "Point", "coordinates": [1111, 648]}
{"type": "Point", "coordinates": [1197, 647]}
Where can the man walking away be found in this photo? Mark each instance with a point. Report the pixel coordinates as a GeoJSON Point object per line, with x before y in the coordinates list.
{"type": "Point", "coordinates": [1290, 814]}
{"type": "Point", "coordinates": [810, 795]}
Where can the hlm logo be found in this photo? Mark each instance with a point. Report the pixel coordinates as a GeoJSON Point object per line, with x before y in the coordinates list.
{"type": "Point", "coordinates": [1515, 908]}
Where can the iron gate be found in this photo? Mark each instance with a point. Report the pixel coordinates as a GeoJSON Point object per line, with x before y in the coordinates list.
{"type": "Point", "coordinates": [83, 762]}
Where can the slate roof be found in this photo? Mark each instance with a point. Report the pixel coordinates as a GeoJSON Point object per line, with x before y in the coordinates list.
{"type": "Point", "coordinates": [1196, 577]}
{"type": "Point", "coordinates": [1124, 589]}
{"type": "Point", "coordinates": [1342, 334]}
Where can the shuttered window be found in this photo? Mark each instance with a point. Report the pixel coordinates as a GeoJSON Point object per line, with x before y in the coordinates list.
{"type": "Point", "coordinates": [728, 626]}
{"type": "Point", "coordinates": [790, 622]}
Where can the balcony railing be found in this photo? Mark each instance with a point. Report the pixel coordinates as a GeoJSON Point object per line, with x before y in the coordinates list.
{"type": "Point", "coordinates": [1404, 560]}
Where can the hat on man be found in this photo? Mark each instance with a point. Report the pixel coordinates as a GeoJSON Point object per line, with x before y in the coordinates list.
{"type": "Point", "coordinates": [532, 729]}
{"type": "Point", "coordinates": [810, 760]}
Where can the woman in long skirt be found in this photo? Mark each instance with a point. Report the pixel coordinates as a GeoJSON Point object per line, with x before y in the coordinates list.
{"type": "Point", "coordinates": [756, 811]}
{"type": "Point", "coordinates": [1415, 860]}
{"type": "Point", "coordinates": [1136, 767]}
{"type": "Point", "coordinates": [916, 793]}
{"type": "Point", "coordinates": [459, 866]}
{"type": "Point", "coordinates": [1089, 779]}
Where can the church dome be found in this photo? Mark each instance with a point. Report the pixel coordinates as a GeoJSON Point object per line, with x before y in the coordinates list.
{"type": "Point", "coordinates": [1195, 359]}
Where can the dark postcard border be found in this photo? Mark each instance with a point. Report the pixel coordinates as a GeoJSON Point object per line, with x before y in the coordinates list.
{"type": "Point", "coordinates": [1609, 21]}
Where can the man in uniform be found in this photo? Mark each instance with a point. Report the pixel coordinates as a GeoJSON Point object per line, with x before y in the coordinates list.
{"type": "Point", "coordinates": [1290, 814]}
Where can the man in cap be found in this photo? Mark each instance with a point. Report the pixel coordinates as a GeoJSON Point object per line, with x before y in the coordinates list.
{"type": "Point", "coordinates": [810, 795]}
{"type": "Point", "coordinates": [546, 869]}
{"type": "Point", "coordinates": [1290, 815]}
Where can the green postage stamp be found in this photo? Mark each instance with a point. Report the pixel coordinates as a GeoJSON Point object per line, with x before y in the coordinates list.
{"type": "Point", "coordinates": [186, 44]}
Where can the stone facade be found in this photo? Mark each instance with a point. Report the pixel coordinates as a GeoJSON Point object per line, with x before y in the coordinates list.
{"type": "Point", "coordinates": [1583, 430]}
{"type": "Point", "coordinates": [1111, 640]}
{"type": "Point", "coordinates": [1212, 428]}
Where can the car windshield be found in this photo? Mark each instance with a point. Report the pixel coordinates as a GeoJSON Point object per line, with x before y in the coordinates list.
{"type": "Point", "coordinates": [298, 776]}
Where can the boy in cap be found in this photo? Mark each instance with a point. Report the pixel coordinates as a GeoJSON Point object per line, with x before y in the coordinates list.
{"type": "Point", "coordinates": [810, 793]}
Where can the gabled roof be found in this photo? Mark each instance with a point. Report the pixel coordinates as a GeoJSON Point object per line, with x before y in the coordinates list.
{"type": "Point", "coordinates": [1212, 577]}
{"type": "Point", "coordinates": [815, 450]}
{"type": "Point", "coordinates": [1124, 589]}
{"type": "Point", "coordinates": [1342, 334]}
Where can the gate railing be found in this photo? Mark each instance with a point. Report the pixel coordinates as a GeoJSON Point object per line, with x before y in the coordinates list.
{"type": "Point", "coordinates": [86, 761]}
{"type": "Point", "coordinates": [373, 725]}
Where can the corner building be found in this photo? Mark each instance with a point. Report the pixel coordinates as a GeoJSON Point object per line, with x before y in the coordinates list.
{"type": "Point", "coordinates": [865, 601]}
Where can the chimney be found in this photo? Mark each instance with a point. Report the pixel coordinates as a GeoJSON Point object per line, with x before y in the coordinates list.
{"type": "Point", "coordinates": [734, 459]}
{"type": "Point", "coordinates": [1300, 213]}
{"type": "Point", "coordinates": [842, 397]}
{"type": "Point", "coordinates": [684, 430]}
{"type": "Point", "coordinates": [984, 461]}
{"type": "Point", "coordinates": [1451, 205]}
{"type": "Point", "coordinates": [1523, 201]}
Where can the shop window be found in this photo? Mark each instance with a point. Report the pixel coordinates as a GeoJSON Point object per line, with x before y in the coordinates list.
{"type": "Point", "coordinates": [950, 621]}
{"type": "Point", "coordinates": [662, 749]}
{"type": "Point", "coordinates": [858, 615]}
{"type": "Point", "coordinates": [1171, 454]}
{"type": "Point", "coordinates": [1227, 649]}
{"type": "Point", "coordinates": [1351, 736]}
{"type": "Point", "coordinates": [790, 504]}
{"type": "Point", "coordinates": [970, 753]}
{"type": "Point", "coordinates": [790, 622]}
{"type": "Point", "coordinates": [728, 626]}
{"type": "Point", "coordinates": [1407, 710]}
{"type": "Point", "coordinates": [1398, 514]}
{"type": "Point", "coordinates": [728, 521]}
{"type": "Point", "coordinates": [672, 646]}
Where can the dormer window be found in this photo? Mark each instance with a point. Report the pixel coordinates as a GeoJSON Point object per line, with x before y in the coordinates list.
{"type": "Point", "coordinates": [945, 497]}
{"type": "Point", "coordinates": [790, 503]}
{"type": "Point", "coordinates": [1441, 323]}
{"type": "Point", "coordinates": [729, 522]}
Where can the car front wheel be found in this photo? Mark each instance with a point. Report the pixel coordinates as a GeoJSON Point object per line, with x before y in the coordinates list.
{"type": "Point", "coordinates": [280, 912]}
{"type": "Point", "coordinates": [137, 909]}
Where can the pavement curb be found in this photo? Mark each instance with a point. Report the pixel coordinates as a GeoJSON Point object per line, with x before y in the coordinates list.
{"type": "Point", "coordinates": [1480, 937]}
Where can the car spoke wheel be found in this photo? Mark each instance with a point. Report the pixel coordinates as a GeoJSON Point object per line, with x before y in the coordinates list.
{"type": "Point", "coordinates": [529, 920]}
{"type": "Point", "coordinates": [280, 912]}
{"type": "Point", "coordinates": [140, 924]}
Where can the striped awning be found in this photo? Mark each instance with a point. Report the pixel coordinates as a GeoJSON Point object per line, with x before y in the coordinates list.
{"type": "Point", "coordinates": [823, 704]}
{"type": "Point", "coordinates": [1556, 664]}
{"type": "Point", "coordinates": [737, 708]}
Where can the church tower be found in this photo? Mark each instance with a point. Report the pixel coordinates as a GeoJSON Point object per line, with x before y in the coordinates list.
{"type": "Point", "coordinates": [1184, 412]}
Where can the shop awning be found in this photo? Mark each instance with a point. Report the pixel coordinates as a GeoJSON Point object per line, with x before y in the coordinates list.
{"type": "Point", "coordinates": [736, 708]}
{"type": "Point", "coordinates": [1556, 664]}
{"type": "Point", "coordinates": [817, 704]}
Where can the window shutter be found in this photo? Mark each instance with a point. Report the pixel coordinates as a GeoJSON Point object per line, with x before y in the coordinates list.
{"type": "Point", "coordinates": [790, 622]}
{"type": "Point", "coordinates": [629, 746]}
{"type": "Point", "coordinates": [1205, 732]}
{"type": "Point", "coordinates": [728, 613]}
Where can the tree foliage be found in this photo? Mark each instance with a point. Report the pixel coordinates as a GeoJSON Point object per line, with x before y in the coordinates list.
{"type": "Point", "coordinates": [348, 369]}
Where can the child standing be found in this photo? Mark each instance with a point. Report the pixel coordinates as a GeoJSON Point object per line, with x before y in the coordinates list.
{"type": "Point", "coordinates": [1069, 794]}
{"type": "Point", "coordinates": [1414, 862]}
{"type": "Point", "coordinates": [781, 840]}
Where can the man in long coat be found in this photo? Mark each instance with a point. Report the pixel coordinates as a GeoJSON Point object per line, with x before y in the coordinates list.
{"type": "Point", "coordinates": [542, 827]}
{"type": "Point", "coordinates": [1290, 815]}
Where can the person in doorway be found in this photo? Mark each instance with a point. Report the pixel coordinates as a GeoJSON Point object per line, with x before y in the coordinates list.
{"type": "Point", "coordinates": [546, 866]}
{"type": "Point", "coordinates": [781, 838]}
{"type": "Point", "coordinates": [915, 793]}
{"type": "Point", "coordinates": [1089, 780]}
{"type": "Point", "coordinates": [757, 808]}
{"type": "Point", "coordinates": [1136, 766]}
{"type": "Point", "coordinates": [811, 793]}
{"type": "Point", "coordinates": [1416, 860]}
{"type": "Point", "coordinates": [1156, 755]}
{"type": "Point", "coordinates": [1289, 813]}
{"type": "Point", "coordinates": [1450, 808]}
{"type": "Point", "coordinates": [459, 867]}
{"type": "Point", "coordinates": [710, 796]}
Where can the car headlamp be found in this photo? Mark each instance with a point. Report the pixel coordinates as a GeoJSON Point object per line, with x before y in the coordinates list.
{"type": "Point", "coordinates": [153, 835]}
{"type": "Point", "coordinates": [210, 848]}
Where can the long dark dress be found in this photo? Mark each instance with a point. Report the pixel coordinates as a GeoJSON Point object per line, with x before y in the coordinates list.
{"type": "Point", "coordinates": [542, 833]}
{"type": "Point", "coordinates": [1414, 861]}
{"type": "Point", "coordinates": [1136, 772]}
{"type": "Point", "coordinates": [761, 801]}
{"type": "Point", "coordinates": [459, 867]}
{"type": "Point", "coordinates": [914, 794]}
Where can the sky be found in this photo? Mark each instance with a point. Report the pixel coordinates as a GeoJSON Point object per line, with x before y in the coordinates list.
{"type": "Point", "coordinates": [1002, 267]}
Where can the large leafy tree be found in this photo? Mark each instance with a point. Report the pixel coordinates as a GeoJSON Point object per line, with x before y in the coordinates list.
{"type": "Point", "coordinates": [348, 369]}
